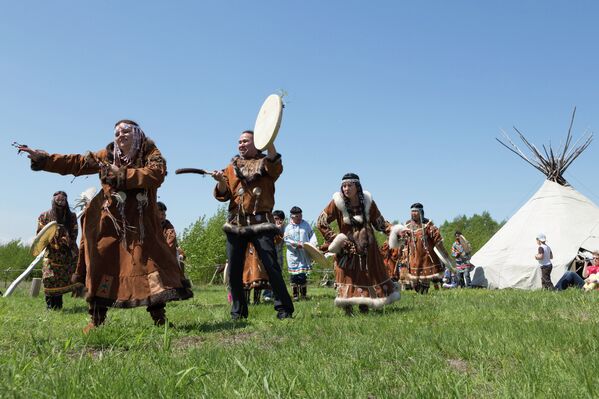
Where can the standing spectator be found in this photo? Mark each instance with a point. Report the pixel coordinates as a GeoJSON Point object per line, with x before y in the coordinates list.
{"type": "Point", "coordinates": [298, 263]}
{"type": "Point", "coordinates": [460, 250]}
{"type": "Point", "coordinates": [544, 256]}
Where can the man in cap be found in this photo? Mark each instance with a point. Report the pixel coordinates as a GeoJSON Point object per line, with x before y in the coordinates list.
{"type": "Point", "coordinates": [544, 256]}
{"type": "Point", "coordinates": [248, 184]}
{"type": "Point", "coordinates": [298, 232]}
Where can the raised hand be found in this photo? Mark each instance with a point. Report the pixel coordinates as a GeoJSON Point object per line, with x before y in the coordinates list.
{"type": "Point", "coordinates": [34, 155]}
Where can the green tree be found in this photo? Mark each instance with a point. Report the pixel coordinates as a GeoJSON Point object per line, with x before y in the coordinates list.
{"type": "Point", "coordinates": [204, 243]}
{"type": "Point", "coordinates": [477, 229]}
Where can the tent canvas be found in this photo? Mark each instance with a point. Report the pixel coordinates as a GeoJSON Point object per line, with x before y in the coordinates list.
{"type": "Point", "coordinates": [568, 219]}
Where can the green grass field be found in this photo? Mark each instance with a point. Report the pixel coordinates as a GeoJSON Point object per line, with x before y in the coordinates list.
{"type": "Point", "coordinates": [459, 343]}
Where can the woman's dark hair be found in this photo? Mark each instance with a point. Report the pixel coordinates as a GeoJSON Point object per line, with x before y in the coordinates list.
{"type": "Point", "coordinates": [64, 215]}
{"type": "Point", "coordinates": [360, 193]}
{"type": "Point", "coordinates": [278, 213]}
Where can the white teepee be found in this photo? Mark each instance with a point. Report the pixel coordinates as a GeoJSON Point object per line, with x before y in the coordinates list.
{"type": "Point", "coordinates": [569, 220]}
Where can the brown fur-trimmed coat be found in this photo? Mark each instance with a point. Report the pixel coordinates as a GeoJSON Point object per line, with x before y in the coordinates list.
{"type": "Point", "coordinates": [123, 265]}
{"type": "Point", "coordinates": [361, 277]}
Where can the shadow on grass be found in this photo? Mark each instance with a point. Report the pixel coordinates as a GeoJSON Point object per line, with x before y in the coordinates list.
{"type": "Point", "coordinates": [79, 308]}
{"type": "Point", "coordinates": [212, 326]}
{"type": "Point", "coordinates": [391, 310]}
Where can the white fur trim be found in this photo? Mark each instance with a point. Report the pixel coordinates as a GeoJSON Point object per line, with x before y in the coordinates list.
{"type": "Point", "coordinates": [367, 203]}
{"type": "Point", "coordinates": [375, 303]}
{"type": "Point", "coordinates": [337, 244]}
{"type": "Point", "coordinates": [340, 204]}
{"type": "Point", "coordinates": [394, 241]}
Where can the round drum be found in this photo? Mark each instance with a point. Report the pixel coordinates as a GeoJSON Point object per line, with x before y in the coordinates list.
{"type": "Point", "coordinates": [43, 238]}
{"type": "Point", "coordinates": [316, 256]}
{"type": "Point", "coordinates": [268, 122]}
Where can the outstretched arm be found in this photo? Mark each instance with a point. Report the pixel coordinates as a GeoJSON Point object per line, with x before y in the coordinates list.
{"type": "Point", "coordinates": [74, 164]}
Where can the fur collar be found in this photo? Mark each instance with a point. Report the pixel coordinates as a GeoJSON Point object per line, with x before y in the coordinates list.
{"type": "Point", "coordinates": [340, 204]}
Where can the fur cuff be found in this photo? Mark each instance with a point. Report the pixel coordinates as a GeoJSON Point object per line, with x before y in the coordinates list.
{"type": "Point", "coordinates": [394, 240]}
{"type": "Point", "coordinates": [276, 159]}
{"type": "Point", "coordinates": [375, 303]}
{"type": "Point", "coordinates": [336, 246]}
{"type": "Point", "coordinates": [253, 229]}
{"type": "Point", "coordinates": [40, 163]}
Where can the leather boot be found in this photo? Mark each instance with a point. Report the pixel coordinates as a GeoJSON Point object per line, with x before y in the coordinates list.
{"type": "Point", "coordinates": [158, 313]}
{"type": "Point", "coordinates": [257, 294]}
{"type": "Point", "coordinates": [304, 291]}
{"type": "Point", "coordinates": [98, 317]}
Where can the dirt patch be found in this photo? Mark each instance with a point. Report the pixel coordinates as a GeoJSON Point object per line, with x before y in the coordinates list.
{"type": "Point", "coordinates": [186, 343]}
{"type": "Point", "coordinates": [459, 365]}
{"type": "Point", "coordinates": [236, 339]}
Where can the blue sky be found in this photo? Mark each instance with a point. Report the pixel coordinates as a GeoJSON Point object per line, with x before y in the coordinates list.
{"type": "Point", "coordinates": [409, 95]}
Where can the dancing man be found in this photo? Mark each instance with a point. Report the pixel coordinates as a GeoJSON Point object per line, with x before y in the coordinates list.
{"type": "Point", "coordinates": [248, 184]}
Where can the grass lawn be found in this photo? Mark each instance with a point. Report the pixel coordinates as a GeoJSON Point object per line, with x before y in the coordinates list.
{"type": "Point", "coordinates": [458, 343]}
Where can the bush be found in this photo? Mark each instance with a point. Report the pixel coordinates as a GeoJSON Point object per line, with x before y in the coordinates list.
{"type": "Point", "coordinates": [204, 243]}
{"type": "Point", "coordinates": [14, 258]}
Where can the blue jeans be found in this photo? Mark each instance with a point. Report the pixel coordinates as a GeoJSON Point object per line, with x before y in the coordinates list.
{"type": "Point", "coordinates": [569, 279]}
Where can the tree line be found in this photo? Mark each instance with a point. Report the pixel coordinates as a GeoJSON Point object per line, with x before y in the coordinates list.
{"type": "Point", "coordinates": [204, 244]}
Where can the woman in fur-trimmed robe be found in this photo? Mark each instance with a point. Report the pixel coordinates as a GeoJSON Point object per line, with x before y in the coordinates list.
{"type": "Point", "coordinates": [124, 259]}
{"type": "Point", "coordinates": [254, 275]}
{"type": "Point", "coordinates": [422, 238]}
{"type": "Point", "coordinates": [360, 273]}
{"type": "Point", "coordinates": [61, 257]}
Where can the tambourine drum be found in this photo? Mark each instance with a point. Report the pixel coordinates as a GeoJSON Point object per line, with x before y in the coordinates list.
{"type": "Point", "coordinates": [43, 238]}
{"type": "Point", "coordinates": [268, 121]}
{"type": "Point", "coordinates": [315, 254]}
{"type": "Point", "coordinates": [446, 262]}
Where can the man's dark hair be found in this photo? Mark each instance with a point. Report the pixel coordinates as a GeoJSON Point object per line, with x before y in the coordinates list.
{"type": "Point", "coordinates": [295, 210]}
{"type": "Point", "coordinates": [248, 132]}
{"type": "Point", "coordinates": [161, 206]}
{"type": "Point", "coordinates": [278, 213]}
{"type": "Point", "coordinates": [128, 121]}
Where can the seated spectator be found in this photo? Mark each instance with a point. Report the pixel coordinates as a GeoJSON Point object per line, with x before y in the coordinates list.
{"type": "Point", "coordinates": [571, 279]}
